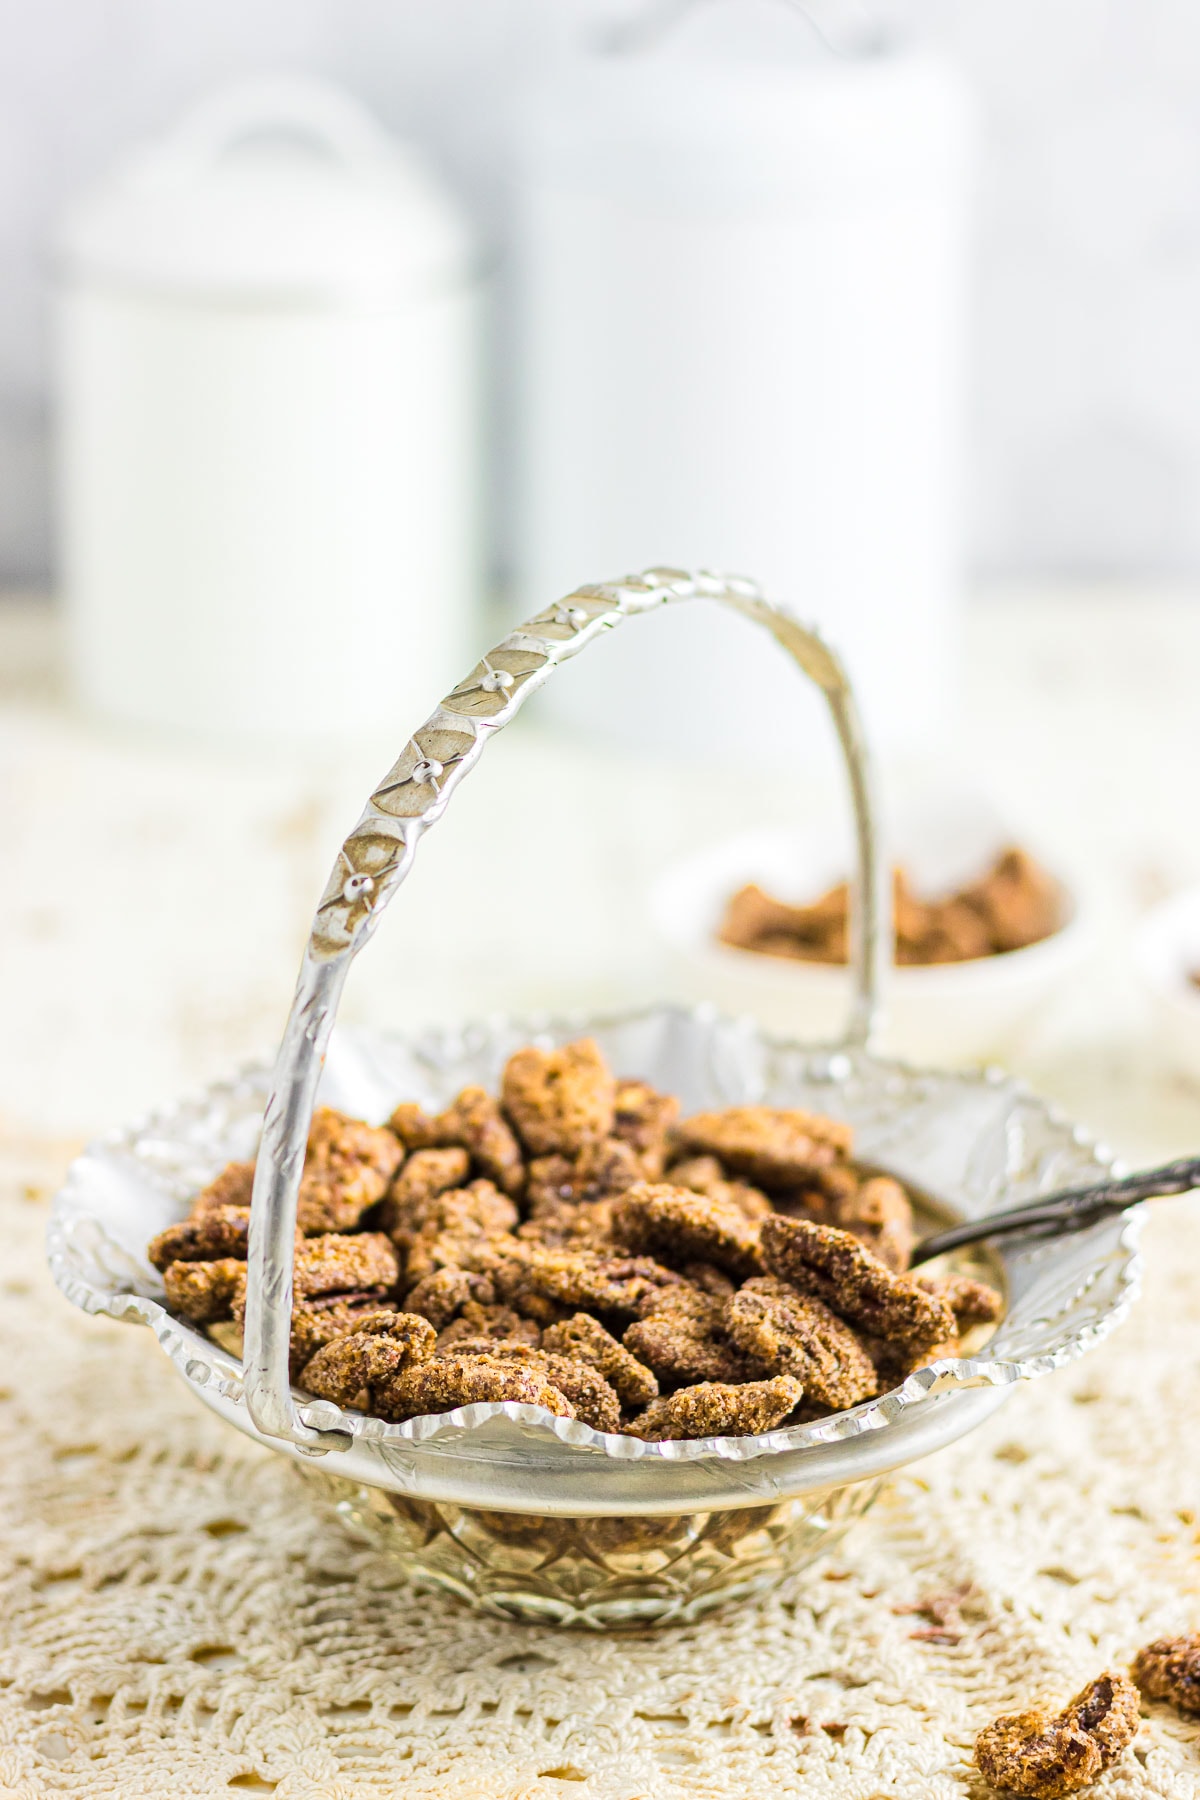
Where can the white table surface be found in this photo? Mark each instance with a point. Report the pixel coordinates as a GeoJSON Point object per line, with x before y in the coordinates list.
{"type": "Point", "coordinates": [155, 896]}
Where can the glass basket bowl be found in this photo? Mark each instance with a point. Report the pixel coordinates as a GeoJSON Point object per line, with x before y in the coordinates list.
{"type": "Point", "coordinates": [522, 1513]}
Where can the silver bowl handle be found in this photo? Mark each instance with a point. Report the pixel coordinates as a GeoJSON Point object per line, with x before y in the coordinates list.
{"type": "Point", "coordinates": [378, 854]}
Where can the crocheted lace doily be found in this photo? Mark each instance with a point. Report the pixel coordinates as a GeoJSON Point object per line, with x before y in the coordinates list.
{"type": "Point", "coordinates": [178, 1620]}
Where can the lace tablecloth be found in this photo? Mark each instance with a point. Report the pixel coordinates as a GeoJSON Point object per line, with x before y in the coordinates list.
{"type": "Point", "coordinates": [178, 1620]}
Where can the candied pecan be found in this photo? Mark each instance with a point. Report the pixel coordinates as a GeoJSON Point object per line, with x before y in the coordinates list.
{"type": "Point", "coordinates": [972, 1302]}
{"type": "Point", "coordinates": [681, 1350]}
{"type": "Point", "coordinates": [834, 1267]}
{"type": "Point", "coordinates": [349, 1369]}
{"type": "Point", "coordinates": [895, 1362]}
{"type": "Point", "coordinates": [1047, 1754]}
{"type": "Point", "coordinates": [1169, 1669]}
{"type": "Point", "coordinates": [425, 1175]}
{"type": "Point", "coordinates": [319, 1321]}
{"type": "Point", "coordinates": [483, 1321]}
{"type": "Point", "coordinates": [335, 1262]}
{"type": "Point", "coordinates": [441, 1295]}
{"type": "Point", "coordinates": [454, 1221]}
{"type": "Point", "coordinates": [879, 1213]}
{"type": "Point", "coordinates": [476, 1122]}
{"type": "Point", "coordinates": [448, 1382]}
{"type": "Point", "coordinates": [414, 1127]}
{"type": "Point", "coordinates": [594, 1400]}
{"type": "Point", "coordinates": [783, 1332]}
{"type": "Point", "coordinates": [586, 1340]}
{"type": "Point", "coordinates": [715, 1409]}
{"type": "Point", "coordinates": [346, 1170]}
{"type": "Point", "coordinates": [687, 1225]}
{"type": "Point", "coordinates": [644, 1118]}
{"type": "Point", "coordinates": [560, 1100]}
{"type": "Point", "coordinates": [218, 1231]}
{"type": "Point", "coordinates": [599, 1170]}
{"type": "Point", "coordinates": [232, 1187]}
{"type": "Point", "coordinates": [557, 1224]}
{"type": "Point", "coordinates": [775, 1146]}
{"type": "Point", "coordinates": [613, 1284]}
{"type": "Point", "coordinates": [204, 1291]}
{"type": "Point", "coordinates": [705, 1175]}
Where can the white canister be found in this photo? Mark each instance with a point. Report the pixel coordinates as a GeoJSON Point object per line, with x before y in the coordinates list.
{"type": "Point", "coordinates": [743, 273]}
{"type": "Point", "coordinates": [268, 425]}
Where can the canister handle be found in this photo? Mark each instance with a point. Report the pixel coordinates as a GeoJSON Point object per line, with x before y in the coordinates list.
{"type": "Point", "coordinates": [312, 109]}
{"type": "Point", "coordinates": [377, 856]}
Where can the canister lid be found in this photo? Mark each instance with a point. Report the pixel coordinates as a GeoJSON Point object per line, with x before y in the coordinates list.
{"type": "Point", "coordinates": [282, 189]}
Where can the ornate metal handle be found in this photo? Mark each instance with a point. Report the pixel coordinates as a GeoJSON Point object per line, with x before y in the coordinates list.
{"type": "Point", "coordinates": [377, 856]}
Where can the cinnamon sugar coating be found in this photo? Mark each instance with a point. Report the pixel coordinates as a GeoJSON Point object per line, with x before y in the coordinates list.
{"type": "Point", "coordinates": [774, 1146]}
{"type": "Point", "coordinates": [594, 1281]}
{"type": "Point", "coordinates": [833, 1266]}
{"type": "Point", "coordinates": [591, 1396]}
{"type": "Point", "coordinates": [560, 1100]}
{"type": "Point", "coordinates": [441, 1295]}
{"type": "Point", "coordinates": [1169, 1669]}
{"type": "Point", "coordinates": [1048, 1755]}
{"type": "Point", "coordinates": [690, 1226]}
{"type": "Point", "coordinates": [455, 1222]}
{"type": "Point", "coordinates": [349, 1369]}
{"type": "Point", "coordinates": [335, 1263]}
{"type": "Point", "coordinates": [601, 1169]}
{"type": "Point", "coordinates": [479, 1321]}
{"type": "Point", "coordinates": [782, 1332]}
{"type": "Point", "coordinates": [585, 1339]}
{"type": "Point", "coordinates": [681, 1336]}
{"type": "Point", "coordinates": [716, 1409]}
{"type": "Point", "coordinates": [474, 1123]}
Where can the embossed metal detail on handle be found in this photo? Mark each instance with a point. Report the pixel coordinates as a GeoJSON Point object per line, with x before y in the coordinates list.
{"type": "Point", "coordinates": [377, 856]}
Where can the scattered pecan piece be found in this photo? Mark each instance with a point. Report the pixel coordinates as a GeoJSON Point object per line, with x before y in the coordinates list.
{"type": "Point", "coordinates": [834, 1267]}
{"type": "Point", "coordinates": [560, 1100]}
{"type": "Point", "coordinates": [1047, 1755]}
{"type": "Point", "coordinates": [715, 1409]}
{"type": "Point", "coordinates": [674, 1220]}
{"type": "Point", "coordinates": [782, 1332]}
{"type": "Point", "coordinates": [586, 1340]}
{"type": "Point", "coordinates": [1169, 1669]}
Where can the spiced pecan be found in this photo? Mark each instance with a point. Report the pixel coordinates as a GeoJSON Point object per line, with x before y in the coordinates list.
{"type": "Point", "coordinates": [690, 1226]}
{"type": "Point", "coordinates": [347, 1169]}
{"type": "Point", "coordinates": [717, 1409]}
{"type": "Point", "coordinates": [1051, 1754]}
{"type": "Point", "coordinates": [782, 1332]}
{"type": "Point", "coordinates": [448, 1382]}
{"type": "Point", "coordinates": [441, 1295]}
{"type": "Point", "coordinates": [349, 1369]}
{"type": "Point", "coordinates": [833, 1266]}
{"type": "Point", "coordinates": [643, 1119]}
{"type": "Point", "coordinates": [1169, 1669]}
{"type": "Point", "coordinates": [218, 1231]}
{"type": "Point", "coordinates": [586, 1340]}
{"type": "Point", "coordinates": [560, 1100]}
{"type": "Point", "coordinates": [232, 1187]}
{"type": "Point", "coordinates": [774, 1146]}
{"type": "Point", "coordinates": [972, 1302]}
{"type": "Point", "coordinates": [205, 1291]}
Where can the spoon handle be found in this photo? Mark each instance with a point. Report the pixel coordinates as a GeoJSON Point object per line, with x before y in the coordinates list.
{"type": "Point", "coordinates": [1066, 1211]}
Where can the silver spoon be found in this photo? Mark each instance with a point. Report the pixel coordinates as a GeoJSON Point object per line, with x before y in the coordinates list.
{"type": "Point", "coordinates": [1068, 1211]}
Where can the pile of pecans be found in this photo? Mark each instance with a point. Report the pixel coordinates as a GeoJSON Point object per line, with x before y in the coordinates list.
{"type": "Point", "coordinates": [1016, 903]}
{"type": "Point", "coordinates": [575, 1245]}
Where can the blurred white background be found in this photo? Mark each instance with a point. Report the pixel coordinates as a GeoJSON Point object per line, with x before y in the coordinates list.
{"type": "Point", "coordinates": [1085, 425]}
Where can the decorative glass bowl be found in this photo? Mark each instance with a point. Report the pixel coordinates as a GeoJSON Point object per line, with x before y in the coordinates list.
{"type": "Point", "coordinates": [525, 1513]}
